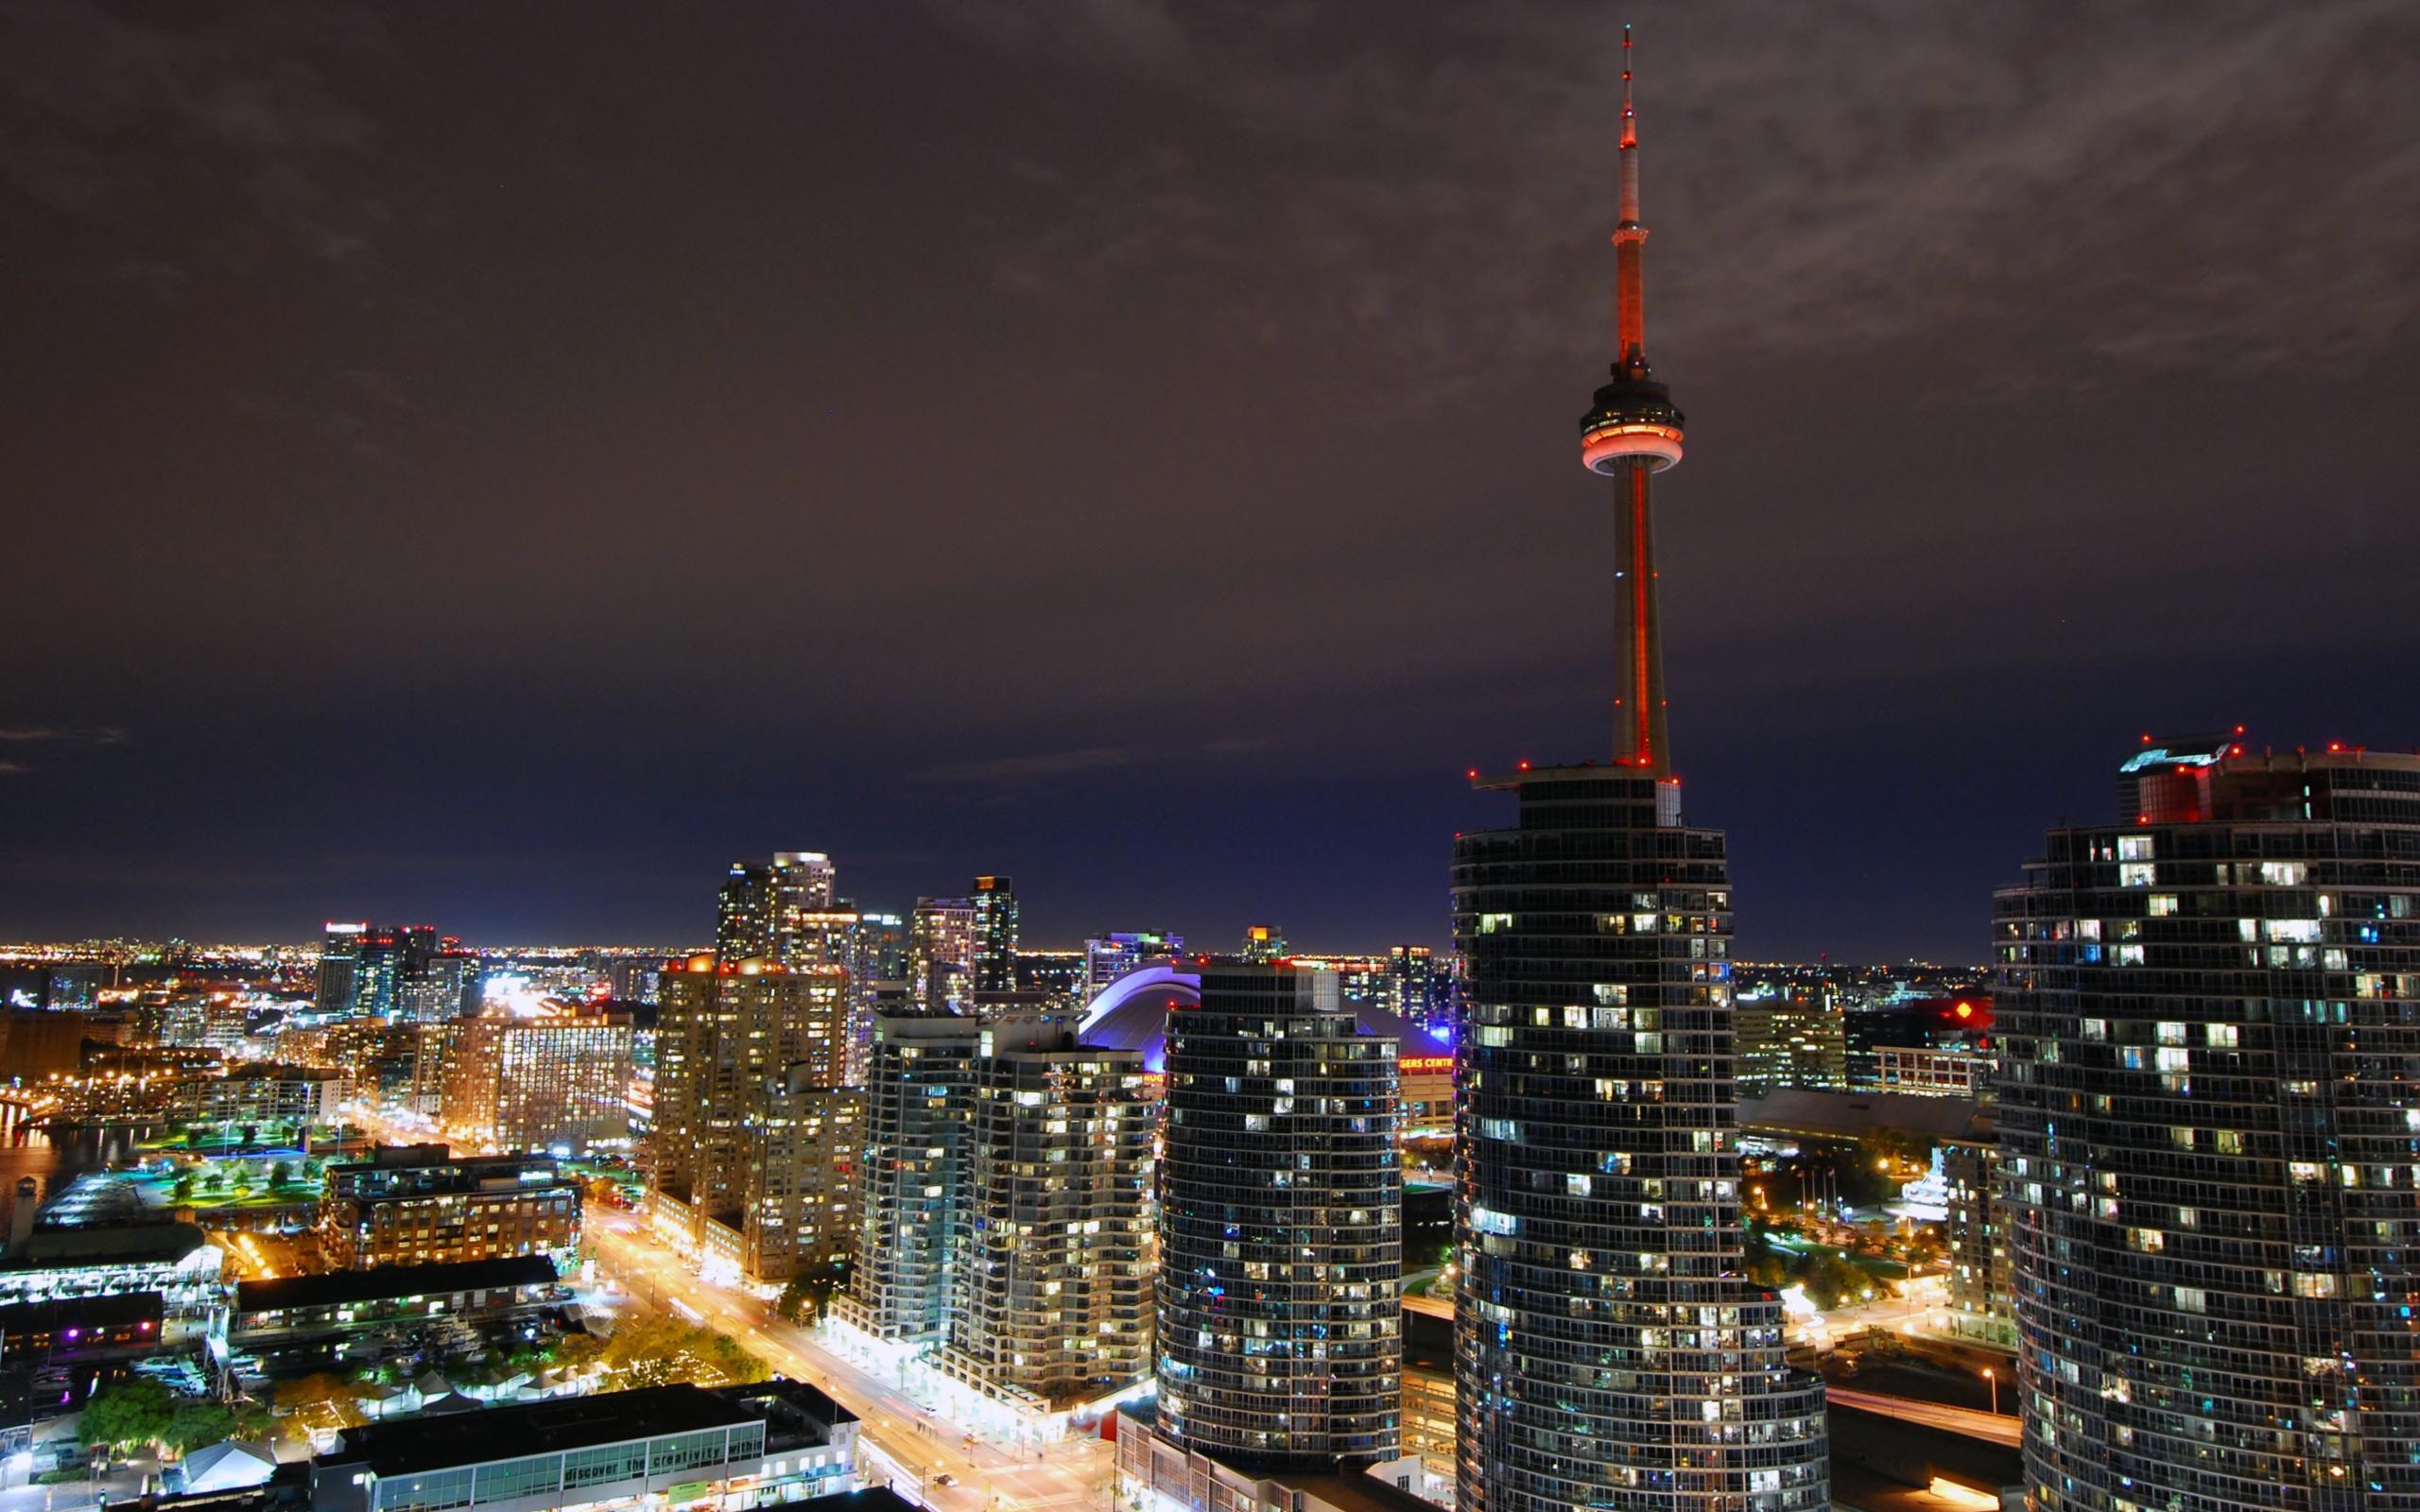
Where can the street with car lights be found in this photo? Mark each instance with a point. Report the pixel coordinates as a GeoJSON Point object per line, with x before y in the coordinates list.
{"type": "Point", "coordinates": [924, 1456]}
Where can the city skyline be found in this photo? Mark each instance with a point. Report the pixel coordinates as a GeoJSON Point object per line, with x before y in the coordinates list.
{"type": "Point", "coordinates": [1103, 479]}
{"type": "Point", "coordinates": [449, 425]}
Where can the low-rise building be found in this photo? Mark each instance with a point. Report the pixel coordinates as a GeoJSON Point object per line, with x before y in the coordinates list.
{"type": "Point", "coordinates": [40, 1043]}
{"type": "Point", "coordinates": [256, 1095]}
{"type": "Point", "coordinates": [664, 1447]}
{"type": "Point", "coordinates": [174, 1260]}
{"type": "Point", "coordinates": [294, 1323]}
{"type": "Point", "coordinates": [124, 1325]}
{"type": "Point", "coordinates": [1932, 1070]}
{"type": "Point", "coordinates": [1428, 1391]}
{"type": "Point", "coordinates": [418, 1205]}
{"type": "Point", "coordinates": [1155, 1473]}
{"type": "Point", "coordinates": [1427, 1091]}
{"type": "Point", "coordinates": [1793, 1115]}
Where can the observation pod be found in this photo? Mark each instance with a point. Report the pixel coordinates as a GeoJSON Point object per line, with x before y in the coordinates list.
{"type": "Point", "coordinates": [1633, 418]}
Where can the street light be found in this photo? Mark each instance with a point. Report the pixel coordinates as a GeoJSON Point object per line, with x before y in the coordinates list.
{"type": "Point", "coordinates": [1993, 1376]}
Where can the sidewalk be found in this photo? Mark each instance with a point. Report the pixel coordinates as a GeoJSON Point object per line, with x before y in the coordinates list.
{"type": "Point", "coordinates": [123, 1485]}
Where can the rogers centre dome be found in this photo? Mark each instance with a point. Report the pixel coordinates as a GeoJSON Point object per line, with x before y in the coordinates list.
{"type": "Point", "coordinates": [1132, 1013]}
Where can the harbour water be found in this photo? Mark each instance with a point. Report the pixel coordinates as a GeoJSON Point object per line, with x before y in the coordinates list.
{"type": "Point", "coordinates": [55, 1156]}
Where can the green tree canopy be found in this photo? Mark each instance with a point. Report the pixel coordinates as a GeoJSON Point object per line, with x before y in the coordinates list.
{"type": "Point", "coordinates": [659, 1350]}
{"type": "Point", "coordinates": [323, 1394]}
{"type": "Point", "coordinates": [1828, 1279]}
{"type": "Point", "coordinates": [1896, 1147]}
{"type": "Point", "coordinates": [199, 1422]}
{"type": "Point", "coordinates": [805, 1298]}
{"type": "Point", "coordinates": [128, 1415]}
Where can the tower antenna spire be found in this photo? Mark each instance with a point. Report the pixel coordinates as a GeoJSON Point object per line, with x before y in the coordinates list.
{"type": "Point", "coordinates": [1630, 113]}
{"type": "Point", "coordinates": [1629, 236]}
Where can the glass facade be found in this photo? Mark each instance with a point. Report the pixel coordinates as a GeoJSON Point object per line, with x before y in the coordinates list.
{"type": "Point", "coordinates": [1608, 1353]}
{"type": "Point", "coordinates": [2210, 1138]}
{"type": "Point", "coordinates": [668, 1467]}
{"type": "Point", "coordinates": [912, 1219]}
{"type": "Point", "coordinates": [1280, 1227]}
{"type": "Point", "coordinates": [994, 952]}
{"type": "Point", "coordinates": [1054, 1283]}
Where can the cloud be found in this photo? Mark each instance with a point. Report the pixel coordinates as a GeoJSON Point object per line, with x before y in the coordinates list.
{"type": "Point", "coordinates": [2133, 192]}
{"type": "Point", "coordinates": [213, 143]}
{"type": "Point", "coordinates": [61, 735]}
{"type": "Point", "coordinates": [55, 735]}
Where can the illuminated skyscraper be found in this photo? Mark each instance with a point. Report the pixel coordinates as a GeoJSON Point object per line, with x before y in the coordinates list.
{"type": "Point", "coordinates": [1005, 1226]}
{"type": "Point", "coordinates": [339, 965]}
{"type": "Point", "coordinates": [1608, 1353]}
{"type": "Point", "coordinates": [1281, 1228]}
{"type": "Point", "coordinates": [994, 964]}
{"type": "Point", "coordinates": [1418, 988]}
{"type": "Point", "coordinates": [438, 986]}
{"type": "Point", "coordinates": [912, 1219]}
{"type": "Point", "coordinates": [1107, 957]}
{"type": "Point", "coordinates": [941, 949]}
{"type": "Point", "coordinates": [1054, 1282]}
{"type": "Point", "coordinates": [730, 1033]}
{"type": "Point", "coordinates": [773, 911]}
{"type": "Point", "coordinates": [2209, 1121]}
{"type": "Point", "coordinates": [804, 1150]}
{"type": "Point", "coordinates": [560, 1083]}
{"type": "Point", "coordinates": [1791, 1037]}
{"type": "Point", "coordinates": [744, 913]}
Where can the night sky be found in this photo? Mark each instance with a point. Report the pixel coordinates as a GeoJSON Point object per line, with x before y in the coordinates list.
{"type": "Point", "coordinates": [492, 464]}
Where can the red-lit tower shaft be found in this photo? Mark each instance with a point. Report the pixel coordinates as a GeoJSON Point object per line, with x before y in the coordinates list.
{"type": "Point", "coordinates": [1639, 738]}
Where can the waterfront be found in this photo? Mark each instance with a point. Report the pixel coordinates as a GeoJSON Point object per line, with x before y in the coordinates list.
{"type": "Point", "coordinates": [56, 1155]}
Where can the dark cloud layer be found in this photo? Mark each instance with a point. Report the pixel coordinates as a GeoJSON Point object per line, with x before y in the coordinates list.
{"type": "Point", "coordinates": [496, 464]}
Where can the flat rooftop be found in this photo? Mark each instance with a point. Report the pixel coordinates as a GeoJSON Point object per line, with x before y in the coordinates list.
{"type": "Point", "coordinates": [1351, 1491]}
{"type": "Point", "coordinates": [1428, 1343]}
{"type": "Point", "coordinates": [80, 1312]}
{"type": "Point", "coordinates": [1346, 1490]}
{"type": "Point", "coordinates": [407, 1445]}
{"type": "Point", "coordinates": [1887, 1464]}
{"type": "Point", "coordinates": [872, 1499]}
{"type": "Point", "coordinates": [1813, 1114]}
{"type": "Point", "coordinates": [382, 1283]}
{"type": "Point", "coordinates": [114, 1245]}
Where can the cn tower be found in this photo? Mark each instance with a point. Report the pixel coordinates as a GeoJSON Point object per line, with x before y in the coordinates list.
{"type": "Point", "coordinates": [1631, 433]}
{"type": "Point", "coordinates": [1610, 1352]}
